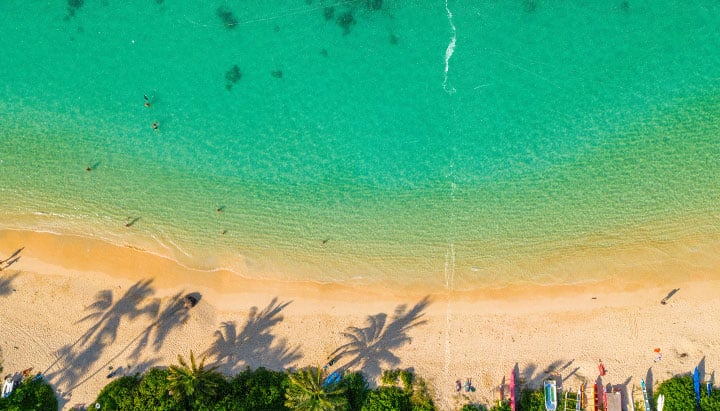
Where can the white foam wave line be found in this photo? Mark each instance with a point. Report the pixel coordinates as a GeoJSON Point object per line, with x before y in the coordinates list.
{"type": "Point", "coordinates": [170, 248]}
{"type": "Point", "coordinates": [449, 50]}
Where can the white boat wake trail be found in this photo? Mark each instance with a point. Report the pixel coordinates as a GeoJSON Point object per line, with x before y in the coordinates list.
{"type": "Point", "coordinates": [449, 50]}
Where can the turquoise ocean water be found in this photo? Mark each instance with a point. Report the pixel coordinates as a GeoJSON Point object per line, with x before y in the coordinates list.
{"type": "Point", "coordinates": [432, 143]}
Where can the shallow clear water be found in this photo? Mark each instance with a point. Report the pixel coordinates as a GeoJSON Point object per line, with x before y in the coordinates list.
{"type": "Point", "coordinates": [432, 143]}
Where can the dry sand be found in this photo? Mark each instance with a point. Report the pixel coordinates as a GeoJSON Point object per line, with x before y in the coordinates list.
{"type": "Point", "coordinates": [72, 307]}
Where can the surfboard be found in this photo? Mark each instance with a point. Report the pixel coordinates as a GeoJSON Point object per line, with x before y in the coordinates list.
{"type": "Point", "coordinates": [660, 402]}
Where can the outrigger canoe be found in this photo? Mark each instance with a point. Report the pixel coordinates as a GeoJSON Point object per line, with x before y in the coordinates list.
{"type": "Point", "coordinates": [595, 397]}
{"type": "Point", "coordinates": [612, 400]}
{"type": "Point", "coordinates": [512, 389]}
{"type": "Point", "coordinates": [579, 403]}
{"type": "Point", "coordinates": [550, 391]}
{"type": "Point", "coordinates": [645, 395]}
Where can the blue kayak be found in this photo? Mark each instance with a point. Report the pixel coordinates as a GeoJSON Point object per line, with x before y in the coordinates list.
{"type": "Point", "coordinates": [332, 379]}
{"type": "Point", "coordinates": [696, 384]}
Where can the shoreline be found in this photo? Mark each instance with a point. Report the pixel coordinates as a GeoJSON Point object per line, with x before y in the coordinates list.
{"type": "Point", "coordinates": [573, 266]}
{"type": "Point", "coordinates": [452, 335]}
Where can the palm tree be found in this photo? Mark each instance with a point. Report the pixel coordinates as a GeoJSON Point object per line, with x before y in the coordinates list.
{"type": "Point", "coordinates": [306, 392]}
{"type": "Point", "coordinates": [190, 382]}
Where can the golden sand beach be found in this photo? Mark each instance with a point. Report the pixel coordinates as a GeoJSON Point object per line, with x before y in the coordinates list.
{"type": "Point", "coordinates": [73, 307]}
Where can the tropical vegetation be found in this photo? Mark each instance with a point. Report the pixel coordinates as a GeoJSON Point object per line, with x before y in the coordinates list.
{"type": "Point", "coordinates": [308, 392]}
{"type": "Point", "coordinates": [189, 385]}
{"type": "Point", "coordinates": [31, 394]}
{"type": "Point", "coordinates": [193, 385]}
{"type": "Point", "coordinates": [679, 395]}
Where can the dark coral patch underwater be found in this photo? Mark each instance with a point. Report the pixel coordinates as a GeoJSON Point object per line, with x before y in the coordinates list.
{"type": "Point", "coordinates": [227, 17]}
{"type": "Point", "coordinates": [232, 76]}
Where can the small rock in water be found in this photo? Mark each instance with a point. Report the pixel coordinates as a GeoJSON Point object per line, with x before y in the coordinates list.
{"type": "Point", "coordinates": [394, 39]}
{"type": "Point", "coordinates": [329, 12]}
{"type": "Point", "coordinates": [625, 6]}
{"type": "Point", "coordinates": [346, 21]}
{"type": "Point", "coordinates": [73, 6]}
{"type": "Point", "coordinates": [232, 76]}
{"type": "Point", "coordinates": [277, 73]}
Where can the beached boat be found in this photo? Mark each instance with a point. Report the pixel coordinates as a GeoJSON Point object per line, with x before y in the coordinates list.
{"type": "Point", "coordinates": [660, 402]}
{"type": "Point", "coordinates": [579, 398]}
{"type": "Point", "coordinates": [512, 389]}
{"type": "Point", "coordinates": [645, 395]}
{"type": "Point", "coordinates": [550, 391]}
{"type": "Point", "coordinates": [595, 397]}
{"type": "Point", "coordinates": [612, 400]}
{"type": "Point", "coordinates": [696, 385]}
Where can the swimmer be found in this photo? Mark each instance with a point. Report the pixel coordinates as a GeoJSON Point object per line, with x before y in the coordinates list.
{"type": "Point", "coordinates": [147, 100]}
{"type": "Point", "coordinates": [155, 125]}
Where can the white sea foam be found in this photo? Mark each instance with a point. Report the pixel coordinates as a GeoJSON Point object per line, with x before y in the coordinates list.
{"type": "Point", "coordinates": [449, 50]}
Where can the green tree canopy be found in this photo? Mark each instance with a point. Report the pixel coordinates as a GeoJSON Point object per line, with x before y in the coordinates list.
{"type": "Point", "coordinates": [306, 392]}
{"type": "Point", "coordinates": [710, 402]}
{"type": "Point", "coordinates": [387, 398]}
{"type": "Point", "coordinates": [356, 389]}
{"type": "Point", "coordinates": [31, 394]}
{"type": "Point", "coordinates": [153, 393]}
{"type": "Point", "coordinates": [256, 390]}
{"type": "Point", "coordinates": [194, 385]}
{"type": "Point", "coordinates": [531, 401]}
{"type": "Point", "coordinates": [679, 393]}
{"type": "Point", "coordinates": [119, 394]}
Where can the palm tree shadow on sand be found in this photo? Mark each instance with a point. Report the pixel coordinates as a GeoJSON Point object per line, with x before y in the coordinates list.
{"type": "Point", "coordinates": [533, 377]}
{"type": "Point", "coordinates": [6, 281]}
{"type": "Point", "coordinates": [369, 349]}
{"type": "Point", "coordinates": [79, 361]}
{"type": "Point", "coordinates": [254, 345]}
